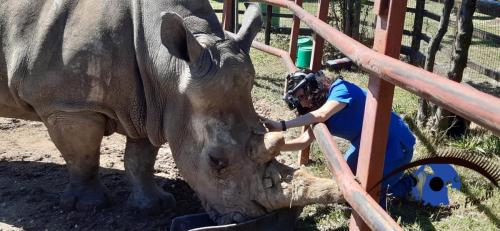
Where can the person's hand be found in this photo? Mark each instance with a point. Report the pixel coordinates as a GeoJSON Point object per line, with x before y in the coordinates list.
{"type": "Point", "coordinates": [271, 125]}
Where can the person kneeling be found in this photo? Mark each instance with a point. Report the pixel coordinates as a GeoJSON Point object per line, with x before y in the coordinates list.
{"type": "Point", "coordinates": [340, 105]}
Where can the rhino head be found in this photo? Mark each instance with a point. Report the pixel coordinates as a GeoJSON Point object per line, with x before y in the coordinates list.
{"type": "Point", "coordinates": [223, 151]}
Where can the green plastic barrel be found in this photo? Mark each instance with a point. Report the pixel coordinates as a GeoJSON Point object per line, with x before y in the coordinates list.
{"type": "Point", "coordinates": [304, 51]}
{"type": "Point", "coordinates": [304, 41]}
{"type": "Point", "coordinates": [275, 21]}
{"type": "Point", "coordinates": [304, 56]}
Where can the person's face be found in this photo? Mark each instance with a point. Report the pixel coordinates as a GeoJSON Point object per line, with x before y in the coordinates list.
{"type": "Point", "coordinates": [303, 99]}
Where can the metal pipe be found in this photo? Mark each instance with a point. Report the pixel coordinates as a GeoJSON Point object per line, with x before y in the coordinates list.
{"type": "Point", "coordinates": [462, 100]}
{"type": "Point", "coordinates": [377, 114]}
{"type": "Point", "coordinates": [228, 15]}
{"type": "Point", "coordinates": [269, 18]}
{"type": "Point", "coordinates": [369, 210]}
{"type": "Point", "coordinates": [285, 56]}
{"type": "Point", "coordinates": [319, 42]}
{"type": "Point", "coordinates": [294, 34]}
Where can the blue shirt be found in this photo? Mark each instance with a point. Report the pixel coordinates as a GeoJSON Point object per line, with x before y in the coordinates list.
{"type": "Point", "coordinates": [348, 122]}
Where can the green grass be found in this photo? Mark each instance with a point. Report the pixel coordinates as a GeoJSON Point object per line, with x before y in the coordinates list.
{"type": "Point", "coordinates": [483, 216]}
{"type": "Point", "coordinates": [411, 216]}
{"type": "Point", "coordinates": [479, 141]}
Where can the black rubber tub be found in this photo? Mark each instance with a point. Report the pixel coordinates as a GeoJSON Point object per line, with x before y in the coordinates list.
{"type": "Point", "coordinates": [280, 220]}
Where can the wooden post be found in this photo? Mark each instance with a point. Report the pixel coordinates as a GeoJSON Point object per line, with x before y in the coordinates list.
{"type": "Point", "coordinates": [417, 30]}
{"type": "Point", "coordinates": [348, 17]}
{"type": "Point", "coordinates": [446, 121]}
{"type": "Point", "coordinates": [356, 20]}
{"type": "Point", "coordinates": [267, 35]}
{"type": "Point", "coordinates": [388, 35]}
{"type": "Point", "coordinates": [352, 18]}
{"type": "Point", "coordinates": [424, 108]}
{"type": "Point", "coordinates": [436, 39]}
{"type": "Point", "coordinates": [462, 40]}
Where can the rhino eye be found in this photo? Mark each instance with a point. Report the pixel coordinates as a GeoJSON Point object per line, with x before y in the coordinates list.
{"type": "Point", "coordinates": [217, 160]}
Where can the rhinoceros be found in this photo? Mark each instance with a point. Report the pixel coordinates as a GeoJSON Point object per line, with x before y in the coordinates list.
{"type": "Point", "coordinates": [155, 71]}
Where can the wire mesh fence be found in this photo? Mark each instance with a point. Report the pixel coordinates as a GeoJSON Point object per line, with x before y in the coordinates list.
{"type": "Point", "coordinates": [484, 51]}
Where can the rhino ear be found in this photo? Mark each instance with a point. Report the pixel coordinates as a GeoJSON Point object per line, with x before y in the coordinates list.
{"type": "Point", "coordinates": [179, 41]}
{"type": "Point", "coordinates": [252, 23]}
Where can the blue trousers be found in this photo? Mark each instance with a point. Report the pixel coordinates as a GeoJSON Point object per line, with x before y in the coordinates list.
{"type": "Point", "coordinates": [396, 155]}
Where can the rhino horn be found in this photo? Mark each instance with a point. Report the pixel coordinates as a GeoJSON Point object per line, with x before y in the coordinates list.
{"type": "Point", "coordinates": [178, 40]}
{"type": "Point", "coordinates": [268, 146]}
{"type": "Point", "coordinates": [252, 23]}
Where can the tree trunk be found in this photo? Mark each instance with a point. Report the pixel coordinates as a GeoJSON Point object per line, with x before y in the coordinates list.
{"type": "Point", "coordinates": [436, 40]}
{"type": "Point", "coordinates": [444, 120]}
{"type": "Point", "coordinates": [349, 4]}
{"type": "Point", "coordinates": [423, 105]}
{"type": "Point", "coordinates": [356, 19]}
{"type": "Point", "coordinates": [352, 17]}
{"type": "Point", "coordinates": [417, 30]}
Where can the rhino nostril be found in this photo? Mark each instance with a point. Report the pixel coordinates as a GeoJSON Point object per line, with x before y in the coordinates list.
{"type": "Point", "coordinates": [217, 162]}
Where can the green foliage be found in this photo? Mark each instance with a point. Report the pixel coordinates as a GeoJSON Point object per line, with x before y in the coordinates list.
{"type": "Point", "coordinates": [478, 141]}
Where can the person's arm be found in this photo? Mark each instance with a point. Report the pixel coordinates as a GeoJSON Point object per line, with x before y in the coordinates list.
{"type": "Point", "coordinates": [300, 142]}
{"type": "Point", "coordinates": [319, 115]}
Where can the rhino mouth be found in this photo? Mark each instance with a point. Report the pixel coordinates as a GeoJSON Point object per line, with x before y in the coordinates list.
{"type": "Point", "coordinates": [281, 187]}
{"type": "Point", "coordinates": [255, 205]}
{"type": "Point", "coordinates": [238, 216]}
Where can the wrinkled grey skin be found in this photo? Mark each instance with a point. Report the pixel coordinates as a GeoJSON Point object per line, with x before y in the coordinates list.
{"type": "Point", "coordinates": [154, 71]}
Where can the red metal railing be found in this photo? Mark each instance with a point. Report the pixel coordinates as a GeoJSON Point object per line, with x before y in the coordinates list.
{"type": "Point", "coordinates": [385, 72]}
{"type": "Point", "coordinates": [368, 209]}
{"type": "Point", "coordinates": [465, 101]}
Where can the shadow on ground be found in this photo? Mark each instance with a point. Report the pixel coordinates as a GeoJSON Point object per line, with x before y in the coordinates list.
{"type": "Point", "coordinates": [29, 196]}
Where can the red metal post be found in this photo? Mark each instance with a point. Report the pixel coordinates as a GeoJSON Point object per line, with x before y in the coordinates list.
{"type": "Point", "coordinates": [285, 57]}
{"type": "Point", "coordinates": [467, 102]}
{"type": "Point", "coordinates": [388, 34]}
{"type": "Point", "coordinates": [317, 55]}
{"type": "Point", "coordinates": [319, 42]}
{"type": "Point", "coordinates": [304, 153]}
{"type": "Point", "coordinates": [358, 198]}
{"type": "Point", "coordinates": [294, 34]}
{"type": "Point", "coordinates": [228, 15]}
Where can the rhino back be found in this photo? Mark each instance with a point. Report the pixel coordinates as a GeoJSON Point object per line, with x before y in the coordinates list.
{"type": "Point", "coordinates": [70, 56]}
{"type": "Point", "coordinates": [94, 55]}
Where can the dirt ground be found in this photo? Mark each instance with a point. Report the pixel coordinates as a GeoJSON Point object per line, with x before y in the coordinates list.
{"type": "Point", "coordinates": [32, 176]}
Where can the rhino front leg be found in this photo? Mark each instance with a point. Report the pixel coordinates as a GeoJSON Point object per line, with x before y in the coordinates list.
{"type": "Point", "coordinates": [140, 156]}
{"type": "Point", "coordinates": [78, 137]}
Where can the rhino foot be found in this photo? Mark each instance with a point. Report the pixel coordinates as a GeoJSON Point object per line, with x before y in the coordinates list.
{"type": "Point", "coordinates": [151, 203]}
{"type": "Point", "coordinates": [85, 197]}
